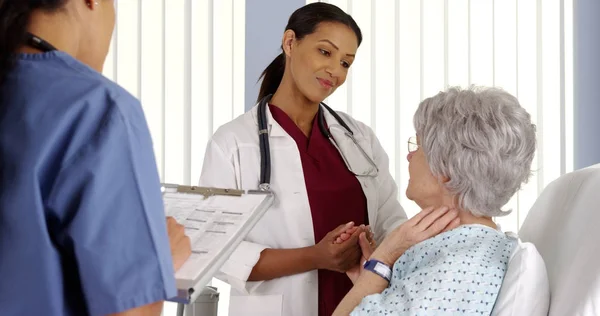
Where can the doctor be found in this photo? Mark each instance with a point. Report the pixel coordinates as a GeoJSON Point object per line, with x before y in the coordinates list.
{"type": "Point", "coordinates": [82, 226]}
{"type": "Point", "coordinates": [328, 171]}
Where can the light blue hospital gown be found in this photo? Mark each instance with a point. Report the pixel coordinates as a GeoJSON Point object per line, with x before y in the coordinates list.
{"type": "Point", "coordinates": [455, 273]}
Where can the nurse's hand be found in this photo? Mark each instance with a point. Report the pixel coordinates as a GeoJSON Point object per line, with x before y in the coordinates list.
{"type": "Point", "coordinates": [338, 257]}
{"type": "Point", "coordinates": [181, 247]}
{"type": "Point", "coordinates": [426, 224]}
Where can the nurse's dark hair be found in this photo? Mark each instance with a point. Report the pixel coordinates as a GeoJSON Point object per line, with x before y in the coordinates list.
{"type": "Point", "coordinates": [304, 21]}
{"type": "Point", "coordinates": [14, 18]}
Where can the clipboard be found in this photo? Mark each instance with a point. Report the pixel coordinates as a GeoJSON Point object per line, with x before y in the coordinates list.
{"type": "Point", "coordinates": [217, 220]}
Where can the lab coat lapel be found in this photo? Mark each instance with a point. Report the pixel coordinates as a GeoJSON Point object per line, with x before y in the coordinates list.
{"type": "Point", "coordinates": [275, 130]}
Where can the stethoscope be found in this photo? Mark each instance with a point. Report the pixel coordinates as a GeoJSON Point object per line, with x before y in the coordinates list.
{"type": "Point", "coordinates": [38, 43]}
{"type": "Point", "coordinates": [263, 134]}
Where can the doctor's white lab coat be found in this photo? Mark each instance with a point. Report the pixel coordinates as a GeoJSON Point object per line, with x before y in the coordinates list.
{"type": "Point", "coordinates": [232, 160]}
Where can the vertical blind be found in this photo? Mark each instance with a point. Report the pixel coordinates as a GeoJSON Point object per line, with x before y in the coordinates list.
{"type": "Point", "coordinates": [184, 59]}
{"type": "Point", "coordinates": [411, 50]}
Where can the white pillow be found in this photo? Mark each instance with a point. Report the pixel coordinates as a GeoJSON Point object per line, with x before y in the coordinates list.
{"type": "Point", "coordinates": [525, 289]}
{"type": "Point", "coordinates": [563, 226]}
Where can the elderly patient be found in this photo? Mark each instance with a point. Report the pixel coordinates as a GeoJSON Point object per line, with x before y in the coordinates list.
{"type": "Point", "coordinates": [472, 151]}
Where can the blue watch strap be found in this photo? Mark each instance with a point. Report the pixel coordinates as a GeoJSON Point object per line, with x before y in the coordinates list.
{"type": "Point", "coordinates": [379, 268]}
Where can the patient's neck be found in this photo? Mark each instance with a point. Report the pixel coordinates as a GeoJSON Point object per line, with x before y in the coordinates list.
{"type": "Point", "coordinates": [466, 217]}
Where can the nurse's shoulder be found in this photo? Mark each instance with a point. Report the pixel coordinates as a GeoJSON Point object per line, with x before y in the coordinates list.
{"type": "Point", "coordinates": [71, 103]}
{"type": "Point", "coordinates": [97, 92]}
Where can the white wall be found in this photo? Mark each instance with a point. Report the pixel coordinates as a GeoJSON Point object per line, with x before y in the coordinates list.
{"type": "Point", "coordinates": [265, 24]}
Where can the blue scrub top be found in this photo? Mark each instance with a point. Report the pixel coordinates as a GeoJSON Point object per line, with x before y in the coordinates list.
{"type": "Point", "coordinates": [82, 225]}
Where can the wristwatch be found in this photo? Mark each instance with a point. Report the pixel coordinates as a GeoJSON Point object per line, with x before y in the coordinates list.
{"type": "Point", "coordinates": [379, 268]}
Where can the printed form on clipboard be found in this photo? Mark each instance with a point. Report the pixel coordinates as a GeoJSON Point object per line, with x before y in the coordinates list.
{"type": "Point", "coordinates": [216, 220]}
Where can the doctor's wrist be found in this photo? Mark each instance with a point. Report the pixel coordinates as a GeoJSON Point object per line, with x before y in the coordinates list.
{"type": "Point", "coordinates": [315, 257]}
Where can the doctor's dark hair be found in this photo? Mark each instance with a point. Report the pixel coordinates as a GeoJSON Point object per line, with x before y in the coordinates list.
{"type": "Point", "coordinates": [304, 21]}
{"type": "Point", "coordinates": [14, 18]}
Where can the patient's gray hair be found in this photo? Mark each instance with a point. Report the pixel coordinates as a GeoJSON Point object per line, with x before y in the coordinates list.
{"type": "Point", "coordinates": [482, 140]}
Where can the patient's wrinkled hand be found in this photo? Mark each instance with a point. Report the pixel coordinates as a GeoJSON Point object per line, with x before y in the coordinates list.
{"type": "Point", "coordinates": [367, 246]}
{"type": "Point", "coordinates": [426, 224]}
{"type": "Point", "coordinates": [346, 235]}
{"type": "Point", "coordinates": [349, 232]}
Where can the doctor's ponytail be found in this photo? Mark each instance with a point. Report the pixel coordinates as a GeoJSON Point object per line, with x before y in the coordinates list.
{"type": "Point", "coordinates": [14, 19]}
{"type": "Point", "coordinates": [272, 76]}
{"type": "Point", "coordinates": [304, 21]}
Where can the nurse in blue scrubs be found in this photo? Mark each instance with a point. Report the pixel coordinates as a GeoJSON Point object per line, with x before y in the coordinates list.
{"type": "Point", "coordinates": [82, 226]}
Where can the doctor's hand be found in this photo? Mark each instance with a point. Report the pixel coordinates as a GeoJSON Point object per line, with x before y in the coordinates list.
{"type": "Point", "coordinates": [426, 224]}
{"type": "Point", "coordinates": [338, 257]}
{"type": "Point", "coordinates": [181, 247]}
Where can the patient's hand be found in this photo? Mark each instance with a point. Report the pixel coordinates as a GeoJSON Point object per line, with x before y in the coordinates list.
{"type": "Point", "coordinates": [426, 224]}
{"type": "Point", "coordinates": [346, 235]}
{"type": "Point", "coordinates": [367, 246]}
{"type": "Point", "coordinates": [350, 231]}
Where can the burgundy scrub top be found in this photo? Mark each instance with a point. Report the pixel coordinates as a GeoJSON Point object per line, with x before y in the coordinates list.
{"type": "Point", "coordinates": [335, 197]}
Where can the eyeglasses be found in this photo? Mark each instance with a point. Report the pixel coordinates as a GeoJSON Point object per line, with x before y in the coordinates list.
{"type": "Point", "coordinates": [412, 144]}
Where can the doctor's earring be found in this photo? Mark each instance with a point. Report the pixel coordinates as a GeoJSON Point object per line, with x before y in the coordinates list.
{"type": "Point", "coordinates": [89, 3]}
